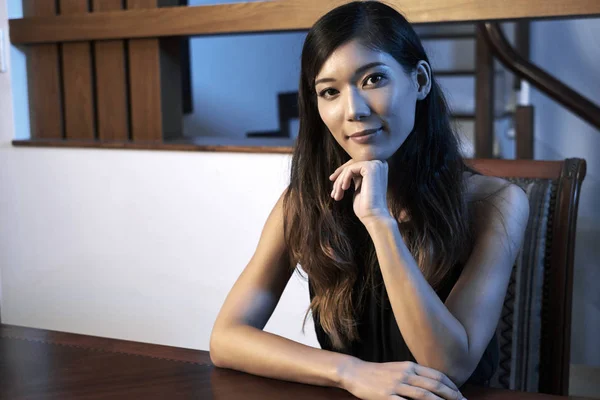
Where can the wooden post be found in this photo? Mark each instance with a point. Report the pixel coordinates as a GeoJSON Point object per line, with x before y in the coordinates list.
{"type": "Point", "coordinates": [144, 84]}
{"type": "Point", "coordinates": [43, 79]}
{"type": "Point", "coordinates": [524, 132]}
{"type": "Point", "coordinates": [78, 82]}
{"type": "Point", "coordinates": [484, 98]}
{"type": "Point", "coordinates": [155, 84]}
{"type": "Point", "coordinates": [111, 82]}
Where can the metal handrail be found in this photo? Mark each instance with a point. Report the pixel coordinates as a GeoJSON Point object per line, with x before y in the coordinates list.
{"type": "Point", "coordinates": [551, 86]}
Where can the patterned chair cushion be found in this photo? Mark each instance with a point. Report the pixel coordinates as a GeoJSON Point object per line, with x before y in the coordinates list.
{"type": "Point", "coordinates": [520, 327]}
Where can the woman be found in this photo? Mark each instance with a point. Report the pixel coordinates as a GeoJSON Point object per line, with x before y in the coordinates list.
{"type": "Point", "coordinates": [408, 252]}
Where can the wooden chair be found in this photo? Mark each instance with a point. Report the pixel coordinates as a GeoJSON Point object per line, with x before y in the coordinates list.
{"type": "Point", "coordinates": [535, 327]}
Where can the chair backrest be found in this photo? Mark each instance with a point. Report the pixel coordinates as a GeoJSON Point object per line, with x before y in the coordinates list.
{"type": "Point", "coordinates": [535, 327]}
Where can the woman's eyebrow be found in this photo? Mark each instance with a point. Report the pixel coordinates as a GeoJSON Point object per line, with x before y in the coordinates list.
{"type": "Point", "coordinates": [357, 72]}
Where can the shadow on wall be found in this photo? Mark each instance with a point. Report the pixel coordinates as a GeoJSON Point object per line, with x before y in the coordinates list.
{"type": "Point", "coordinates": [235, 88]}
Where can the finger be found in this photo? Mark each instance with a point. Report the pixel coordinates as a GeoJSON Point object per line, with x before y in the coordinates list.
{"type": "Point", "coordinates": [435, 375]}
{"type": "Point", "coordinates": [363, 169]}
{"type": "Point", "coordinates": [347, 179]}
{"type": "Point", "coordinates": [338, 170]}
{"type": "Point", "coordinates": [335, 174]}
{"type": "Point", "coordinates": [341, 182]}
{"type": "Point", "coordinates": [415, 392]}
{"type": "Point", "coordinates": [335, 188]}
{"type": "Point", "coordinates": [435, 387]}
{"type": "Point", "coordinates": [337, 195]}
{"type": "Point", "coordinates": [334, 192]}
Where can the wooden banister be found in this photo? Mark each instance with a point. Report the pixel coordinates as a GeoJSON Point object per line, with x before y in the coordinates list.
{"type": "Point", "coordinates": [283, 15]}
{"type": "Point", "coordinates": [539, 78]}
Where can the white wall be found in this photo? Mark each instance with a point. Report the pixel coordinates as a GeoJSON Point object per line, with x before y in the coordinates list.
{"type": "Point", "coordinates": [138, 245]}
{"type": "Point", "coordinates": [6, 108]}
{"type": "Point", "coordinates": [135, 245]}
{"type": "Point", "coordinates": [570, 50]}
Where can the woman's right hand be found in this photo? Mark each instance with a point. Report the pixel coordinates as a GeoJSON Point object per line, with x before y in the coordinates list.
{"type": "Point", "coordinates": [397, 380]}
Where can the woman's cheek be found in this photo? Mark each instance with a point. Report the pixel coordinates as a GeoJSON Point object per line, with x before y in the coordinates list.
{"type": "Point", "coordinates": [332, 118]}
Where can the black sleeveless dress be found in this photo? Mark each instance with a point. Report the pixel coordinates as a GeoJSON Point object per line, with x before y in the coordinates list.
{"type": "Point", "coordinates": [380, 339]}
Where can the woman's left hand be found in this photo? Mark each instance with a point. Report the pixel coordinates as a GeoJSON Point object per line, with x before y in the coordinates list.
{"type": "Point", "coordinates": [370, 179]}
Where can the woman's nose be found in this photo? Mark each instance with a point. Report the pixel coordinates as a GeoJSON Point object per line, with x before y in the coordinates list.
{"type": "Point", "coordinates": [357, 108]}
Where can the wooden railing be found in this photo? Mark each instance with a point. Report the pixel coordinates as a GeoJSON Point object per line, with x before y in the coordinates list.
{"type": "Point", "coordinates": [107, 76]}
{"type": "Point", "coordinates": [110, 90]}
{"type": "Point", "coordinates": [284, 15]}
{"type": "Point", "coordinates": [539, 78]}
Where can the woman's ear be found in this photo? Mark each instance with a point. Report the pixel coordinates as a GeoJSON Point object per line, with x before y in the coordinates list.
{"type": "Point", "coordinates": [423, 79]}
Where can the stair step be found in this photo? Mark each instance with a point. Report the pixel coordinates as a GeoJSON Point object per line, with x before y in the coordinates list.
{"type": "Point", "coordinates": [460, 94]}
{"type": "Point", "coordinates": [444, 36]}
{"type": "Point", "coordinates": [455, 72]}
{"type": "Point", "coordinates": [471, 116]}
{"type": "Point", "coordinates": [444, 29]}
{"type": "Point", "coordinates": [448, 54]}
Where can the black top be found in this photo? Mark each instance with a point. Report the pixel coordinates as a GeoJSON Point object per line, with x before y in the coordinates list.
{"type": "Point", "coordinates": [381, 341]}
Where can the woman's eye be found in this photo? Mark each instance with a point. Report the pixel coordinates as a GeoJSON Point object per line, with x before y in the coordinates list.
{"type": "Point", "coordinates": [374, 79]}
{"type": "Point", "coordinates": [327, 93]}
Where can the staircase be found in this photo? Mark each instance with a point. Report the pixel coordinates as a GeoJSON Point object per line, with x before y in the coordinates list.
{"type": "Point", "coordinates": [452, 53]}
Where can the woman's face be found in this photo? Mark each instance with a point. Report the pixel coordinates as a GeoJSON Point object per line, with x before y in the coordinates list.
{"type": "Point", "coordinates": [367, 100]}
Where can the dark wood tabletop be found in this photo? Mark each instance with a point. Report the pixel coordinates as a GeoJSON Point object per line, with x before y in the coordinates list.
{"type": "Point", "coordinates": [41, 364]}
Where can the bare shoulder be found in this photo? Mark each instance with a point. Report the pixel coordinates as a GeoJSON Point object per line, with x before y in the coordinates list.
{"type": "Point", "coordinates": [492, 195]}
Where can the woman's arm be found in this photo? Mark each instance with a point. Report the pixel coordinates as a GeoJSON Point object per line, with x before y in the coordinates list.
{"type": "Point", "coordinates": [238, 341]}
{"type": "Point", "coordinates": [452, 337]}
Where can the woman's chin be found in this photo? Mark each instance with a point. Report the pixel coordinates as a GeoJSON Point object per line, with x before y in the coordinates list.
{"type": "Point", "coordinates": [371, 154]}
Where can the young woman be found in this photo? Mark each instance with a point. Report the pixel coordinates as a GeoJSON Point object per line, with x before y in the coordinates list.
{"type": "Point", "coordinates": [408, 252]}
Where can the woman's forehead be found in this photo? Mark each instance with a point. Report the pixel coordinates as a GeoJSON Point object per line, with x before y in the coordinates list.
{"type": "Point", "coordinates": [350, 57]}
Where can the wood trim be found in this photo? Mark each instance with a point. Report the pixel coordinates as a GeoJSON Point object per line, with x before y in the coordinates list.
{"type": "Point", "coordinates": [265, 16]}
{"type": "Point", "coordinates": [181, 146]}
{"type": "Point", "coordinates": [44, 82]}
{"type": "Point", "coordinates": [106, 344]}
{"type": "Point", "coordinates": [517, 168]}
{"type": "Point", "coordinates": [111, 82]}
{"type": "Point", "coordinates": [145, 82]}
{"type": "Point", "coordinates": [78, 85]}
{"type": "Point", "coordinates": [555, 352]}
{"type": "Point", "coordinates": [484, 97]}
{"type": "Point", "coordinates": [496, 167]}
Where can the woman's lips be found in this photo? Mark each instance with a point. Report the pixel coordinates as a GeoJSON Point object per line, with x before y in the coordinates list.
{"type": "Point", "coordinates": [365, 138]}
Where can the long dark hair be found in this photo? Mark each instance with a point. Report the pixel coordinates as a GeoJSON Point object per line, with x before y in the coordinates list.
{"type": "Point", "coordinates": [425, 179]}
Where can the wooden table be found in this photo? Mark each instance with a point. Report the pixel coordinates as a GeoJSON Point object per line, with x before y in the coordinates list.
{"type": "Point", "coordinates": [41, 364]}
